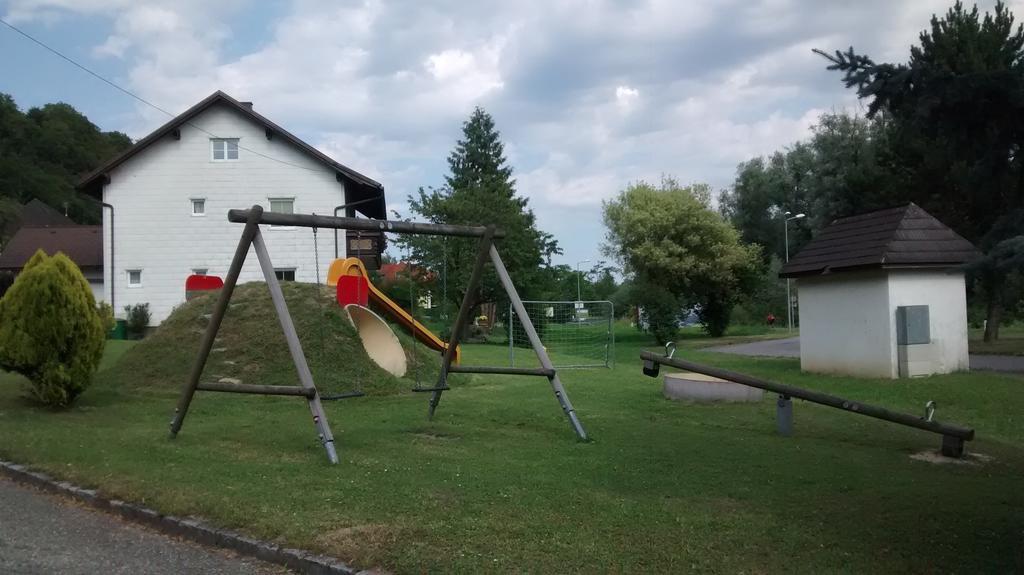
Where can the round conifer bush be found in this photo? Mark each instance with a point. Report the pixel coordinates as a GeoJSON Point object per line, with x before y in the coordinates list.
{"type": "Point", "coordinates": [50, 329]}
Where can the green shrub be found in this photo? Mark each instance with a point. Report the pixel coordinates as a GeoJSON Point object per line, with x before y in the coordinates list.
{"type": "Point", "coordinates": [50, 329]}
{"type": "Point", "coordinates": [106, 316]}
{"type": "Point", "coordinates": [661, 310]}
{"type": "Point", "coordinates": [136, 320]}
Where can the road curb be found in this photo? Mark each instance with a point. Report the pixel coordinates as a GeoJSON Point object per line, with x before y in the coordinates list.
{"type": "Point", "coordinates": [185, 527]}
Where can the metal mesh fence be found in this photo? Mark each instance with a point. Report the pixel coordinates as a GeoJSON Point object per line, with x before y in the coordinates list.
{"type": "Point", "coordinates": [575, 333]}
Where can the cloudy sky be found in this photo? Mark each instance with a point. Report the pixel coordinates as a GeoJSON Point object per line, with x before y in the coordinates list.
{"type": "Point", "coordinates": [589, 95]}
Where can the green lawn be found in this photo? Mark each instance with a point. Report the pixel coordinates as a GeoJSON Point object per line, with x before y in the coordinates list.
{"type": "Point", "coordinates": [1010, 342]}
{"type": "Point", "coordinates": [499, 484]}
{"type": "Point", "coordinates": [693, 337]}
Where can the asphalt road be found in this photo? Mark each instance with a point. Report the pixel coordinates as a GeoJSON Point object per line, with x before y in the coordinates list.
{"type": "Point", "coordinates": [44, 534]}
{"type": "Point", "coordinates": [790, 347]}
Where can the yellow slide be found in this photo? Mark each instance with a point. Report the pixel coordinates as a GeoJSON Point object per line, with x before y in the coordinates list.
{"type": "Point", "coordinates": [354, 267]}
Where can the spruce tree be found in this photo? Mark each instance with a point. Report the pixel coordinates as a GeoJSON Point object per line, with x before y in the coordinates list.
{"type": "Point", "coordinates": [479, 190]}
{"type": "Point", "coordinates": [958, 109]}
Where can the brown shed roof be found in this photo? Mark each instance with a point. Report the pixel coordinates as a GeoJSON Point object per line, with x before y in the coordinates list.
{"type": "Point", "coordinates": [363, 188]}
{"type": "Point", "coordinates": [906, 236]}
{"type": "Point", "coordinates": [83, 244]}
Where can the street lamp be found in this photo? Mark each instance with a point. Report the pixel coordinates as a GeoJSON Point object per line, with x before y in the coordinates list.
{"type": "Point", "coordinates": [789, 302]}
{"type": "Point", "coordinates": [578, 276]}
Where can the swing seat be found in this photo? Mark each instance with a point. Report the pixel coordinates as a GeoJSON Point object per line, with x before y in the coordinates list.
{"type": "Point", "coordinates": [423, 389]}
{"type": "Point", "coordinates": [195, 284]}
{"type": "Point", "coordinates": [343, 395]}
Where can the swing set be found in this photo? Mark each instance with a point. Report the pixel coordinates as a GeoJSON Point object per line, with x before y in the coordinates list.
{"type": "Point", "coordinates": [252, 236]}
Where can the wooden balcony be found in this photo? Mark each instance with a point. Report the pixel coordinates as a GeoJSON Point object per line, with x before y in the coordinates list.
{"type": "Point", "coordinates": [367, 246]}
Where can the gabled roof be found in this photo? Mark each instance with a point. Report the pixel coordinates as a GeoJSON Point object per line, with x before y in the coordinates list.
{"type": "Point", "coordinates": [906, 236]}
{"type": "Point", "coordinates": [36, 213]}
{"type": "Point", "coordinates": [83, 244]}
{"type": "Point", "coordinates": [365, 188]}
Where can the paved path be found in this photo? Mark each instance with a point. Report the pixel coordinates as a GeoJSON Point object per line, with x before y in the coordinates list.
{"type": "Point", "coordinates": [790, 347]}
{"type": "Point", "coordinates": [40, 533]}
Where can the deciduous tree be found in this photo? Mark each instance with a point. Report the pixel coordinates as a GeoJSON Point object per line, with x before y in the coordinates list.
{"type": "Point", "coordinates": [43, 153]}
{"type": "Point", "coordinates": [669, 236]}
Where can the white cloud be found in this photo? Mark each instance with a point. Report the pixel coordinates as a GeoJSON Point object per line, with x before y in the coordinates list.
{"type": "Point", "coordinates": [466, 76]}
{"type": "Point", "coordinates": [625, 96]}
{"type": "Point", "coordinates": [589, 94]}
{"type": "Point", "coordinates": [449, 63]}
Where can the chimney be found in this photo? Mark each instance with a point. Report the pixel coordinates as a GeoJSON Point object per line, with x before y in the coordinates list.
{"type": "Point", "coordinates": [247, 104]}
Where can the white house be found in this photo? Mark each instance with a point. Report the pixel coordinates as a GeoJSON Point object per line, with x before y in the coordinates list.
{"type": "Point", "coordinates": [166, 200]}
{"type": "Point", "coordinates": [882, 295]}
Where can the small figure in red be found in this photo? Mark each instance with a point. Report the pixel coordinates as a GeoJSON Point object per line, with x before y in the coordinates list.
{"type": "Point", "coordinates": [770, 319]}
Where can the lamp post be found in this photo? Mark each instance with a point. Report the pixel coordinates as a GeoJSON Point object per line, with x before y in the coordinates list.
{"type": "Point", "coordinates": [789, 302]}
{"type": "Point", "coordinates": [579, 275]}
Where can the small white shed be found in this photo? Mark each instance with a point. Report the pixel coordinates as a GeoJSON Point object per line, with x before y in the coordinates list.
{"type": "Point", "coordinates": [882, 294]}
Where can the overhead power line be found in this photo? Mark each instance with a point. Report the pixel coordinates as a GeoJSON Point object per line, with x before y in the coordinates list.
{"type": "Point", "coordinates": [124, 90]}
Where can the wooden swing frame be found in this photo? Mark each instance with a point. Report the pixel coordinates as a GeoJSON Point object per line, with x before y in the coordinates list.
{"type": "Point", "coordinates": [251, 236]}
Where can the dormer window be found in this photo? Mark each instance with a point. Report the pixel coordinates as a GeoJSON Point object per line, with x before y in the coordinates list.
{"type": "Point", "coordinates": [224, 149]}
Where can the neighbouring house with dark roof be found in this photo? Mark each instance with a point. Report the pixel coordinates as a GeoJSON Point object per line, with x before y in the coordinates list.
{"type": "Point", "coordinates": [882, 294]}
{"type": "Point", "coordinates": [83, 244]}
{"type": "Point", "coordinates": [33, 213]}
{"type": "Point", "coordinates": [166, 201]}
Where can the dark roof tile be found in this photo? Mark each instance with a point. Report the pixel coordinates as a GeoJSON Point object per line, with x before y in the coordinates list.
{"type": "Point", "coordinates": [38, 213]}
{"type": "Point", "coordinates": [35, 213]}
{"type": "Point", "coordinates": [83, 244]}
{"type": "Point", "coordinates": [903, 236]}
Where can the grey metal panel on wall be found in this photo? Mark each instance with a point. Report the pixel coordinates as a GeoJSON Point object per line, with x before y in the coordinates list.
{"type": "Point", "coordinates": [913, 325]}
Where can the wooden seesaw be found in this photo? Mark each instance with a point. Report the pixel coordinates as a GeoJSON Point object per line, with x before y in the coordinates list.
{"type": "Point", "coordinates": [953, 436]}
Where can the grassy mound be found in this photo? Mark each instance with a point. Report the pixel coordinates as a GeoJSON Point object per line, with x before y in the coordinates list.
{"type": "Point", "coordinates": [251, 347]}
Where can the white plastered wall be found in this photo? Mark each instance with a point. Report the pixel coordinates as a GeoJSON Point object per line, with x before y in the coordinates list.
{"type": "Point", "coordinates": [157, 233]}
{"type": "Point", "coordinates": [848, 320]}
{"type": "Point", "coordinates": [943, 291]}
{"type": "Point", "coordinates": [845, 326]}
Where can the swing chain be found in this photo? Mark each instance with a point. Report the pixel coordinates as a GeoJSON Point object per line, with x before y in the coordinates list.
{"type": "Point", "coordinates": [320, 324]}
{"type": "Point", "coordinates": [319, 295]}
{"type": "Point", "coordinates": [359, 256]}
{"type": "Point", "coordinates": [412, 309]}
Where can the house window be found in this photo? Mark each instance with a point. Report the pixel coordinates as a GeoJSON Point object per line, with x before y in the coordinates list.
{"type": "Point", "coordinates": [198, 206]}
{"type": "Point", "coordinates": [282, 205]}
{"type": "Point", "coordinates": [285, 275]}
{"type": "Point", "coordinates": [134, 278]}
{"type": "Point", "coordinates": [200, 271]}
{"type": "Point", "coordinates": [224, 149]}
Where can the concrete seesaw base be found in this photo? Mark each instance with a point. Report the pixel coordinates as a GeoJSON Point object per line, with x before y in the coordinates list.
{"type": "Point", "coordinates": [689, 386]}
